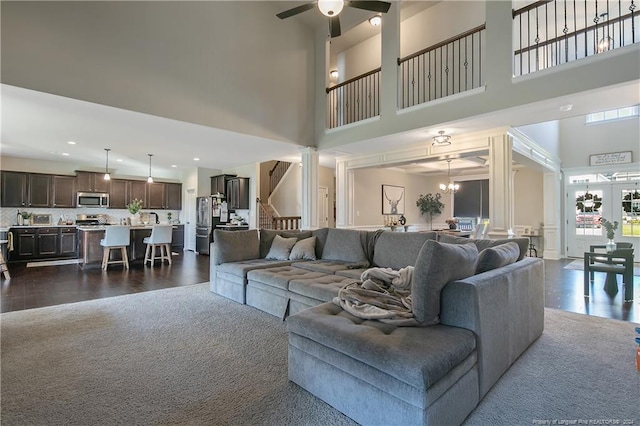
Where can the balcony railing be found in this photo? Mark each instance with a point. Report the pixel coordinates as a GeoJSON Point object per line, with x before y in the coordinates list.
{"type": "Point", "coordinates": [553, 32]}
{"type": "Point", "coordinates": [446, 68]}
{"type": "Point", "coordinates": [355, 99]}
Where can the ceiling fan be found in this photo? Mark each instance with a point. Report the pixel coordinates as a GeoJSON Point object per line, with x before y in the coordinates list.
{"type": "Point", "coordinates": [331, 9]}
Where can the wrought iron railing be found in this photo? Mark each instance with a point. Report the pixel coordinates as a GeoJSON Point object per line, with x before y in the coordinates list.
{"type": "Point", "coordinates": [446, 68]}
{"type": "Point", "coordinates": [354, 100]}
{"type": "Point", "coordinates": [553, 32]}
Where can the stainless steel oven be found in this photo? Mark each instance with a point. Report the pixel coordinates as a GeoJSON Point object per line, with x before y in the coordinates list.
{"type": "Point", "coordinates": [93, 199]}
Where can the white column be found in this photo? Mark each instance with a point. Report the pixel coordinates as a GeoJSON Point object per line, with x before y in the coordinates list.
{"type": "Point", "coordinates": [552, 235]}
{"type": "Point", "coordinates": [310, 159]}
{"type": "Point", "coordinates": [501, 208]}
{"type": "Point", "coordinates": [389, 62]}
{"type": "Point", "coordinates": [344, 195]}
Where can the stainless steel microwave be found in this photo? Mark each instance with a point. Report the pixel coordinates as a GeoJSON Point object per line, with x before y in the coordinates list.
{"type": "Point", "coordinates": [93, 199]}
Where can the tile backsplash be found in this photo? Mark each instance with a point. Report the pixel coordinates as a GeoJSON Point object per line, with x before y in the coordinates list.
{"type": "Point", "coordinates": [9, 215]}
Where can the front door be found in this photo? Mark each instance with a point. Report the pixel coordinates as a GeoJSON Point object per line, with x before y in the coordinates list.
{"type": "Point", "coordinates": [323, 207]}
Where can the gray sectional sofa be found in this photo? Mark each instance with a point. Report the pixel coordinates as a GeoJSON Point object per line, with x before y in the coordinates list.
{"type": "Point", "coordinates": [478, 305]}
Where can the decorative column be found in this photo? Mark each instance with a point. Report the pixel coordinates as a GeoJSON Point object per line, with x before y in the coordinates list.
{"type": "Point", "coordinates": [501, 208]}
{"type": "Point", "coordinates": [310, 159]}
{"type": "Point", "coordinates": [344, 195]}
{"type": "Point", "coordinates": [389, 62]}
{"type": "Point", "coordinates": [552, 242]}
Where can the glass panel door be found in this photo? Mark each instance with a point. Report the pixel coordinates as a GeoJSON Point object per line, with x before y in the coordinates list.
{"type": "Point", "coordinates": [586, 205]}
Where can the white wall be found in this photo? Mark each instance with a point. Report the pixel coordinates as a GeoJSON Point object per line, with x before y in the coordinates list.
{"type": "Point", "coordinates": [579, 140]}
{"type": "Point", "coordinates": [287, 198]}
{"type": "Point", "coordinates": [528, 198]}
{"type": "Point", "coordinates": [546, 134]}
{"type": "Point", "coordinates": [226, 64]}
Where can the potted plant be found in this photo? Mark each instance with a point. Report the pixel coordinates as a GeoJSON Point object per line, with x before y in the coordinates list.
{"type": "Point", "coordinates": [26, 217]}
{"type": "Point", "coordinates": [134, 208]}
{"type": "Point", "coordinates": [453, 223]}
{"type": "Point", "coordinates": [611, 233]}
{"type": "Point", "coordinates": [430, 204]}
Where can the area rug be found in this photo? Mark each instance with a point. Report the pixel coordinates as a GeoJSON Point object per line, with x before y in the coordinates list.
{"type": "Point", "coordinates": [186, 356]}
{"type": "Point", "coordinates": [578, 265]}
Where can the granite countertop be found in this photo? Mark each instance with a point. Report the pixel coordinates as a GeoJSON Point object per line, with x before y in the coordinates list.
{"type": "Point", "coordinates": [40, 226]}
{"type": "Point", "coordinates": [133, 227]}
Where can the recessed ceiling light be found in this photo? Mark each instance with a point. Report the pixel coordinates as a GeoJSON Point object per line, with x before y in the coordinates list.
{"type": "Point", "coordinates": [196, 159]}
{"type": "Point", "coordinates": [566, 107]}
{"type": "Point", "coordinates": [375, 20]}
{"type": "Point", "coordinates": [119, 160]}
{"type": "Point", "coordinates": [65, 153]}
{"type": "Point", "coordinates": [173, 165]}
{"type": "Point", "coordinates": [71, 142]}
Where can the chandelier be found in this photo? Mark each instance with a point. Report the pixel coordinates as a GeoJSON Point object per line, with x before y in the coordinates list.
{"type": "Point", "coordinates": [450, 187]}
{"type": "Point", "coordinates": [441, 139]}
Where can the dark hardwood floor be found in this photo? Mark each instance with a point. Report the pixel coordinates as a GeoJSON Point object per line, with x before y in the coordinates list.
{"type": "Point", "coordinates": [54, 285]}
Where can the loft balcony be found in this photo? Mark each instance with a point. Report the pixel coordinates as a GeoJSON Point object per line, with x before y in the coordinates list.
{"type": "Point", "coordinates": [545, 34]}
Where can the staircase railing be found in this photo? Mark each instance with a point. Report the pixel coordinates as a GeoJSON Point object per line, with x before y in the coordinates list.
{"type": "Point", "coordinates": [355, 99]}
{"type": "Point", "coordinates": [446, 68]}
{"type": "Point", "coordinates": [276, 173]}
{"type": "Point", "coordinates": [549, 33]}
{"type": "Point", "coordinates": [266, 220]}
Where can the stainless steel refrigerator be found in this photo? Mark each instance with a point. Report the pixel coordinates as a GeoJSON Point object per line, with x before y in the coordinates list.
{"type": "Point", "coordinates": [210, 211]}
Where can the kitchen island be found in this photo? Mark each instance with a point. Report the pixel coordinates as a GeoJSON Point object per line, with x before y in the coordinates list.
{"type": "Point", "coordinates": [90, 251]}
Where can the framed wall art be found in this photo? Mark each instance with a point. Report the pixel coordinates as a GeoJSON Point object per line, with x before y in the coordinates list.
{"type": "Point", "coordinates": [392, 199]}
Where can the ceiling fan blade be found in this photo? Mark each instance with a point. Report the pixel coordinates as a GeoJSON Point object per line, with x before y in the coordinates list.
{"type": "Point", "coordinates": [373, 6]}
{"type": "Point", "coordinates": [296, 10]}
{"type": "Point", "coordinates": [334, 26]}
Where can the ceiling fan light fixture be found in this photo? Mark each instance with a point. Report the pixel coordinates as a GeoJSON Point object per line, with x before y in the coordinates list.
{"type": "Point", "coordinates": [375, 20]}
{"type": "Point", "coordinates": [107, 176]}
{"type": "Point", "coordinates": [330, 8]}
{"type": "Point", "coordinates": [441, 139]}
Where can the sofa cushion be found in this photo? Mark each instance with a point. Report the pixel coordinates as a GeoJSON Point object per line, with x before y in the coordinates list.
{"type": "Point", "coordinates": [418, 356]}
{"type": "Point", "coordinates": [397, 250]}
{"type": "Point", "coordinates": [346, 245]}
{"type": "Point", "coordinates": [351, 273]}
{"type": "Point", "coordinates": [232, 246]}
{"type": "Point", "coordinates": [281, 276]}
{"type": "Point", "coordinates": [304, 249]}
{"type": "Point", "coordinates": [323, 288]}
{"type": "Point", "coordinates": [267, 236]}
{"type": "Point", "coordinates": [438, 264]}
{"type": "Point", "coordinates": [280, 248]}
{"type": "Point", "coordinates": [329, 267]}
{"type": "Point", "coordinates": [523, 242]}
{"type": "Point", "coordinates": [241, 268]}
{"type": "Point", "coordinates": [497, 256]}
{"type": "Point", "coordinates": [321, 239]}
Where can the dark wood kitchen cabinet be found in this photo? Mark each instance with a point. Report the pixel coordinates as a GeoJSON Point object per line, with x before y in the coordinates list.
{"type": "Point", "coordinates": [238, 193]}
{"type": "Point", "coordinates": [39, 190]}
{"type": "Point", "coordinates": [68, 242]}
{"type": "Point", "coordinates": [119, 193]}
{"type": "Point", "coordinates": [14, 189]}
{"type": "Point", "coordinates": [91, 182]}
{"type": "Point", "coordinates": [219, 184]}
{"type": "Point", "coordinates": [173, 196]}
{"type": "Point", "coordinates": [24, 244]}
{"type": "Point", "coordinates": [155, 195]}
{"type": "Point", "coordinates": [177, 238]}
{"type": "Point", "coordinates": [64, 191]}
{"type": "Point", "coordinates": [138, 190]}
{"type": "Point", "coordinates": [47, 240]}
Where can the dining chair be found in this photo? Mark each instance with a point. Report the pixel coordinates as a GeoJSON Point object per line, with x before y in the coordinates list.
{"type": "Point", "coordinates": [160, 238]}
{"type": "Point", "coordinates": [617, 262]}
{"type": "Point", "coordinates": [115, 237]}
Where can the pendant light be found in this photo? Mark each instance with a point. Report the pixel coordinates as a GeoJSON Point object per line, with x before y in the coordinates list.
{"type": "Point", "coordinates": [107, 176]}
{"type": "Point", "coordinates": [150, 179]}
{"type": "Point", "coordinates": [450, 187]}
{"type": "Point", "coordinates": [441, 139]}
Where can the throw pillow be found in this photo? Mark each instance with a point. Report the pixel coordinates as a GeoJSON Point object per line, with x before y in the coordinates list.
{"type": "Point", "coordinates": [304, 250]}
{"type": "Point", "coordinates": [280, 248]}
{"type": "Point", "coordinates": [438, 264]}
{"type": "Point", "coordinates": [523, 242]}
{"type": "Point", "coordinates": [497, 256]}
{"type": "Point", "coordinates": [267, 236]}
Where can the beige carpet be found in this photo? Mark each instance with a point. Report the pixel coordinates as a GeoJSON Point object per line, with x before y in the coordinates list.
{"type": "Point", "coordinates": [183, 356]}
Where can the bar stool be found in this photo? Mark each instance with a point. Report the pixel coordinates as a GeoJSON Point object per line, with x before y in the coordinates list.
{"type": "Point", "coordinates": [160, 238]}
{"type": "Point", "coordinates": [3, 263]}
{"type": "Point", "coordinates": [116, 237]}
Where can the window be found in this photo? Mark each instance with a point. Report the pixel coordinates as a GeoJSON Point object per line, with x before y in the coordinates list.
{"type": "Point", "coordinates": [630, 213]}
{"type": "Point", "coordinates": [472, 199]}
{"type": "Point", "coordinates": [613, 114]}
